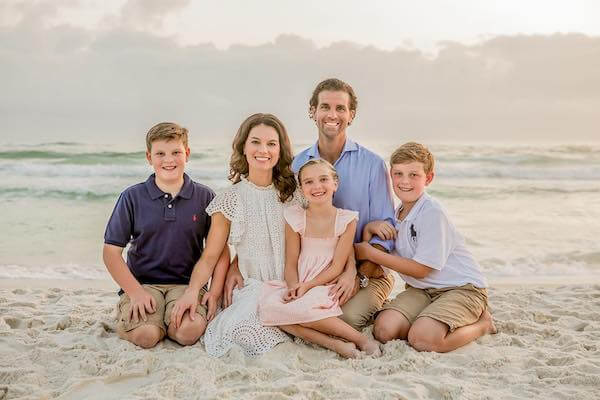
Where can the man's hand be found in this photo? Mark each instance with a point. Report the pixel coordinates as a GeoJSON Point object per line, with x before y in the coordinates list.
{"type": "Point", "coordinates": [234, 279]}
{"type": "Point", "coordinates": [344, 286]}
{"type": "Point", "coordinates": [211, 301]}
{"type": "Point", "coordinates": [189, 301]}
{"type": "Point", "coordinates": [142, 302]}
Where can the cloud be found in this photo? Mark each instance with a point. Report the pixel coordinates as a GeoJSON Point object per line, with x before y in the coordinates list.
{"type": "Point", "coordinates": [71, 83]}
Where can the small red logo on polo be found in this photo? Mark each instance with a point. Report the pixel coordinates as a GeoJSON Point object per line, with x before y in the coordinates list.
{"type": "Point", "coordinates": [194, 218]}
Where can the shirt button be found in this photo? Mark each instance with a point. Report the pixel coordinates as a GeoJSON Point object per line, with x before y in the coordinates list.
{"type": "Point", "coordinates": [170, 206]}
{"type": "Point", "coordinates": [166, 196]}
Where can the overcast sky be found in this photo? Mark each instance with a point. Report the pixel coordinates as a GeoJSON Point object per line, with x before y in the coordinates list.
{"type": "Point", "coordinates": [93, 70]}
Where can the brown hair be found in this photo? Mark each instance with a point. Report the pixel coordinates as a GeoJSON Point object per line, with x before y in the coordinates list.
{"type": "Point", "coordinates": [318, 161]}
{"type": "Point", "coordinates": [283, 177]}
{"type": "Point", "coordinates": [413, 151]}
{"type": "Point", "coordinates": [333, 84]}
{"type": "Point", "coordinates": [166, 131]}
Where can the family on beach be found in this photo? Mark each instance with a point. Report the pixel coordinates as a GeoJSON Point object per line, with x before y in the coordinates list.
{"type": "Point", "coordinates": [316, 241]}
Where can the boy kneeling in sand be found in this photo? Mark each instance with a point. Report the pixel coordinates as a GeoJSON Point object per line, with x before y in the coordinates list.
{"type": "Point", "coordinates": [444, 305]}
{"type": "Point", "coordinates": [165, 223]}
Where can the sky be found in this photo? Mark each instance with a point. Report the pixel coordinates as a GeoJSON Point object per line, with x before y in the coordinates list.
{"type": "Point", "coordinates": [445, 71]}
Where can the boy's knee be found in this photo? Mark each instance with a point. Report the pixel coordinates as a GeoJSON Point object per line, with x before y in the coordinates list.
{"type": "Point", "coordinates": [145, 336]}
{"type": "Point", "coordinates": [423, 342]}
{"type": "Point", "coordinates": [189, 332]}
{"type": "Point", "coordinates": [383, 333]}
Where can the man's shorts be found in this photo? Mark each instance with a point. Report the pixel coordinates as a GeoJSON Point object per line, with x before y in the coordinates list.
{"type": "Point", "coordinates": [165, 297]}
{"type": "Point", "coordinates": [454, 306]}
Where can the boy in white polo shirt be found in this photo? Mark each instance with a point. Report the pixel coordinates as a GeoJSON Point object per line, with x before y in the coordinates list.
{"type": "Point", "coordinates": [444, 305]}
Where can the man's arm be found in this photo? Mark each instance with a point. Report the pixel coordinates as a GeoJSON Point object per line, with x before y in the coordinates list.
{"type": "Point", "coordinates": [381, 205]}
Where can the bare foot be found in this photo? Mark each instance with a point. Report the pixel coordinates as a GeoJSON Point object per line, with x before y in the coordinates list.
{"type": "Point", "coordinates": [488, 323]}
{"type": "Point", "coordinates": [371, 347]}
{"type": "Point", "coordinates": [346, 349]}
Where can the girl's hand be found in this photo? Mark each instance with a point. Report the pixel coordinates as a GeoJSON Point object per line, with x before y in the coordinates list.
{"type": "Point", "coordinates": [362, 250]}
{"type": "Point", "coordinates": [211, 301]}
{"type": "Point", "coordinates": [189, 301]}
{"type": "Point", "coordinates": [290, 293]}
{"type": "Point", "coordinates": [302, 289]}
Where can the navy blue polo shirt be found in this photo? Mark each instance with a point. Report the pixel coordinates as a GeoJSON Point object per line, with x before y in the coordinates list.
{"type": "Point", "coordinates": [166, 233]}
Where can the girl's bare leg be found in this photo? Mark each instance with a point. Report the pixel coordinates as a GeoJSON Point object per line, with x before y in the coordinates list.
{"type": "Point", "coordinates": [345, 349]}
{"type": "Point", "coordinates": [336, 327]}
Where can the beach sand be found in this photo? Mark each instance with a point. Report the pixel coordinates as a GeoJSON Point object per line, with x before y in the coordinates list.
{"type": "Point", "coordinates": [57, 340]}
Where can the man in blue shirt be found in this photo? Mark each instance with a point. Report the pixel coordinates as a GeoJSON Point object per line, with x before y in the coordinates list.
{"type": "Point", "coordinates": [363, 187]}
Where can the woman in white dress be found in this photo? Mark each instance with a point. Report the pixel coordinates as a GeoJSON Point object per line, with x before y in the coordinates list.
{"type": "Point", "coordinates": [250, 215]}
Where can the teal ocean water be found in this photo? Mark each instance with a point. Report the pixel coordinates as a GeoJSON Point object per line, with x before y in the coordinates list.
{"type": "Point", "coordinates": [526, 211]}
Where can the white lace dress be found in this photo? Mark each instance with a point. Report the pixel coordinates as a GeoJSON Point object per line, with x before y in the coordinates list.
{"type": "Point", "coordinates": [257, 233]}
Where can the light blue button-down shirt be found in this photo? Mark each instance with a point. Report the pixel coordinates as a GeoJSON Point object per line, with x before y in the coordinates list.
{"type": "Point", "coordinates": [363, 186]}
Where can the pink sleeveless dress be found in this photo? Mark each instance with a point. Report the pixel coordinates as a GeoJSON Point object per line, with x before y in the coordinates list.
{"type": "Point", "coordinates": [316, 254]}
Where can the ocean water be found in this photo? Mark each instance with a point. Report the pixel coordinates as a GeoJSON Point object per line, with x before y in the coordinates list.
{"type": "Point", "coordinates": [527, 212]}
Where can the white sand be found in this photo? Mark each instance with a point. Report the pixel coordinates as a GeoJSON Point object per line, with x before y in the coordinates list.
{"type": "Point", "coordinates": [58, 341]}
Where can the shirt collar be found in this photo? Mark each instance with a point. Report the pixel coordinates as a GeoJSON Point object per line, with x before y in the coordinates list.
{"type": "Point", "coordinates": [154, 191]}
{"type": "Point", "coordinates": [349, 145]}
{"type": "Point", "coordinates": [416, 208]}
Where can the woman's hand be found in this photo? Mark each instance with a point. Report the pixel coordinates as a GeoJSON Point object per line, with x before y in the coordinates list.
{"type": "Point", "coordinates": [211, 301]}
{"type": "Point", "coordinates": [234, 279]}
{"type": "Point", "coordinates": [362, 250]}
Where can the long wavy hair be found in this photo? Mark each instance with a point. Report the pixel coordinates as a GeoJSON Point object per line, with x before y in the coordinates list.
{"type": "Point", "coordinates": [283, 177]}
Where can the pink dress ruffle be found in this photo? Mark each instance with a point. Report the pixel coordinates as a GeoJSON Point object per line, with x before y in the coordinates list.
{"type": "Point", "coordinates": [316, 254]}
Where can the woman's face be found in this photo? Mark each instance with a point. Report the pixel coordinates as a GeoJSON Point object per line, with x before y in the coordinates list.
{"type": "Point", "coordinates": [262, 148]}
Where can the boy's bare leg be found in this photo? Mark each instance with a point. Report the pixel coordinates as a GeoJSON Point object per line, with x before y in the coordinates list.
{"type": "Point", "coordinates": [345, 349]}
{"type": "Point", "coordinates": [390, 325]}
{"type": "Point", "coordinates": [145, 336]}
{"type": "Point", "coordinates": [336, 327]}
{"type": "Point", "coordinates": [428, 334]}
{"type": "Point", "coordinates": [190, 331]}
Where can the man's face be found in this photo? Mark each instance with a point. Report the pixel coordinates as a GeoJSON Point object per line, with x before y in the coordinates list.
{"type": "Point", "coordinates": [332, 114]}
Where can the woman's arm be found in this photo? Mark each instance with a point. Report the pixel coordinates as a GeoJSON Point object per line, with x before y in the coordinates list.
{"type": "Point", "coordinates": [204, 268]}
{"type": "Point", "coordinates": [365, 251]}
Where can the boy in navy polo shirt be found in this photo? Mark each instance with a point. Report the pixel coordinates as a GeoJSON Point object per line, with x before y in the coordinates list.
{"type": "Point", "coordinates": [444, 305]}
{"type": "Point", "coordinates": [165, 223]}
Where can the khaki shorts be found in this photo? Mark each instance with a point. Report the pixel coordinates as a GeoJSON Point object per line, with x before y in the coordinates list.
{"type": "Point", "coordinates": [454, 306]}
{"type": "Point", "coordinates": [165, 297]}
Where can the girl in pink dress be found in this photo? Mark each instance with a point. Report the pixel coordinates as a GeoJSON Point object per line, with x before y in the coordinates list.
{"type": "Point", "coordinates": [318, 242]}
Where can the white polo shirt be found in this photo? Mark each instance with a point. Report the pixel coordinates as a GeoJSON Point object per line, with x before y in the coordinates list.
{"type": "Point", "coordinates": [428, 237]}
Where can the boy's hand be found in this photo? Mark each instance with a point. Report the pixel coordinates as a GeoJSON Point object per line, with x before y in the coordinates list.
{"type": "Point", "coordinates": [383, 229]}
{"type": "Point", "coordinates": [189, 301]}
{"type": "Point", "coordinates": [211, 301]}
{"type": "Point", "coordinates": [141, 302]}
{"type": "Point", "coordinates": [362, 250]}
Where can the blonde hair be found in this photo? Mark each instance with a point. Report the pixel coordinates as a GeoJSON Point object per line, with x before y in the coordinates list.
{"type": "Point", "coordinates": [413, 151]}
{"type": "Point", "coordinates": [283, 177]}
{"type": "Point", "coordinates": [318, 161]}
{"type": "Point", "coordinates": [166, 131]}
